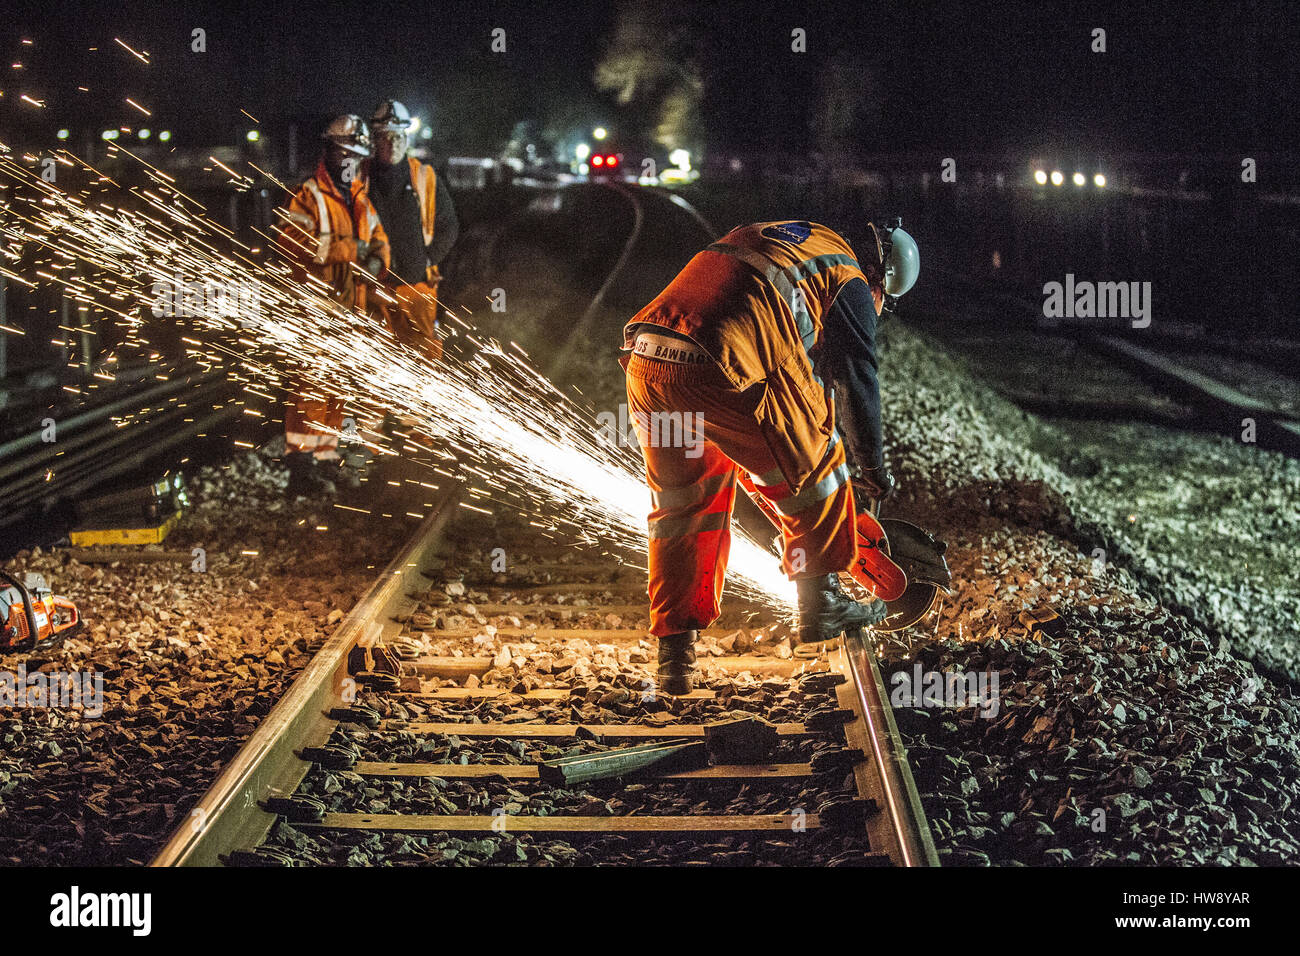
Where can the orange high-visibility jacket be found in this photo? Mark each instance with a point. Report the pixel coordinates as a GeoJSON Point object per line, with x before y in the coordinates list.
{"type": "Point", "coordinates": [322, 229]}
{"type": "Point", "coordinates": [754, 301]}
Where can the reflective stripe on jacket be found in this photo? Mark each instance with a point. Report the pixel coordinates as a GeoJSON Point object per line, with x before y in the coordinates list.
{"type": "Point", "coordinates": [322, 229]}
{"type": "Point", "coordinates": [755, 301]}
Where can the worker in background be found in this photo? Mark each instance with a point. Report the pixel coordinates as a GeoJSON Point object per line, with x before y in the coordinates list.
{"type": "Point", "coordinates": [332, 231]}
{"type": "Point", "coordinates": [768, 339]}
{"type": "Point", "coordinates": [420, 220]}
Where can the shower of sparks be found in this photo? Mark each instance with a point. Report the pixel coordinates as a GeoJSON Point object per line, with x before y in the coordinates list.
{"type": "Point", "coordinates": [493, 420]}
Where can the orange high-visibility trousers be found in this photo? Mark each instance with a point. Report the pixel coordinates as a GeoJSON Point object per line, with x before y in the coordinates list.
{"type": "Point", "coordinates": [695, 433]}
{"type": "Point", "coordinates": [301, 435]}
{"type": "Point", "coordinates": [413, 318]}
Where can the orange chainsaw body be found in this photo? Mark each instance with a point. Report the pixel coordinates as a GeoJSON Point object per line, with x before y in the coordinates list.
{"type": "Point", "coordinates": [56, 617]}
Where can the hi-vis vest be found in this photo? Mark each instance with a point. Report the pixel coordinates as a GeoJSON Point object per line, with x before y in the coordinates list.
{"type": "Point", "coordinates": [425, 181]}
{"type": "Point", "coordinates": [755, 301]}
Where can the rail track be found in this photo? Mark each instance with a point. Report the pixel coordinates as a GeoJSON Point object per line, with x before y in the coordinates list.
{"type": "Point", "coordinates": [458, 760]}
{"type": "Point", "coordinates": [1209, 395]}
{"type": "Point", "coordinates": [826, 782]}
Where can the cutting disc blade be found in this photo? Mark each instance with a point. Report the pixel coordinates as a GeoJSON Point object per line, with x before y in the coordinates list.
{"type": "Point", "coordinates": [922, 558]}
{"type": "Point", "coordinates": [905, 611]}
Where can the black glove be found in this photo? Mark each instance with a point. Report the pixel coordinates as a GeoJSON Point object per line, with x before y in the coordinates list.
{"type": "Point", "coordinates": [374, 265]}
{"type": "Point", "coordinates": [363, 250]}
{"type": "Point", "coordinates": [871, 484]}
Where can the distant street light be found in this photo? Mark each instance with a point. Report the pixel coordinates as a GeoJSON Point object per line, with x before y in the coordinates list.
{"type": "Point", "coordinates": [1079, 179]}
{"type": "Point", "coordinates": [1057, 178]}
{"type": "Point", "coordinates": [253, 136]}
{"type": "Point", "coordinates": [63, 134]}
{"type": "Point", "coordinates": [144, 134]}
{"type": "Point", "coordinates": [1040, 177]}
{"type": "Point", "coordinates": [165, 135]}
{"type": "Point", "coordinates": [1099, 181]}
{"type": "Point", "coordinates": [109, 134]}
{"type": "Point", "coordinates": [582, 151]}
{"type": "Point", "coordinates": [600, 132]}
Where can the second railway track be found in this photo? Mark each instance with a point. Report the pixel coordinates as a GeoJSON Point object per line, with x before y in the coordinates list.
{"type": "Point", "coordinates": [509, 670]}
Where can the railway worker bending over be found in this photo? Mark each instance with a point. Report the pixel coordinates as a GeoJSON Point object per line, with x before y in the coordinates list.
{"type": "Point", "coordinates": [763, 338]}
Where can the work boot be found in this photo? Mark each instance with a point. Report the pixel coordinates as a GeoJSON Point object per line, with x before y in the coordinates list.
{"type": "Point", "coordinates": [676, 675]}
{"type": "Point", "coordinates": [304, 479]}
{"type": "Point", "coordinates": [825, 611]}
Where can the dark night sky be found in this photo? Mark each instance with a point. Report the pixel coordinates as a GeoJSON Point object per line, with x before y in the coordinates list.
{"type": "Point", "coordinates": [950, 75]}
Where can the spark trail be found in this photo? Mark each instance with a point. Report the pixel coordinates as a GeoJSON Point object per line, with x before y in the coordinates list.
{"type": "Point", "coordinates": [493, 418]}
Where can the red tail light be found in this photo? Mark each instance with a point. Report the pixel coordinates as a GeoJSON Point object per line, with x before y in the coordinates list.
{"type": "Point", "coordinates": [611, 161]}
{"type": "Point", "coordinates": [598, 160]}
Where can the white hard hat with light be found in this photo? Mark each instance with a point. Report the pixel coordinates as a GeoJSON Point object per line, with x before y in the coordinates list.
{"type": "Point", "coordinates": [349, 131]}
{"type": "Point", "coordinates": [392, 116]}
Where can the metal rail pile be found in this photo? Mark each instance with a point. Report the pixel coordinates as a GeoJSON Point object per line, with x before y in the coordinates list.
{"type": "Point", "coordinates": [107, 441]}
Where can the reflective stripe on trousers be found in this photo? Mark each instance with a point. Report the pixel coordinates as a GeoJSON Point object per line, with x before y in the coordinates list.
{"type": "Point", "coordinates": [301, 435]}
{"type": "Point", "coordinates": [693, 492]}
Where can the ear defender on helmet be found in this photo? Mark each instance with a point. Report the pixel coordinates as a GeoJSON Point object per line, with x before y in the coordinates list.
{"type": "Point", "coordinates": [902, 258]}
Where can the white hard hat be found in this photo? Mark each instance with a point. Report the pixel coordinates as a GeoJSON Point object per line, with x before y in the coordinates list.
{"type": "Point", "coordinates": [349, 131]}
{"type": "Point", "coordinates": [902, 261]}
{"type": "Point", "coordinates": [391, 115]}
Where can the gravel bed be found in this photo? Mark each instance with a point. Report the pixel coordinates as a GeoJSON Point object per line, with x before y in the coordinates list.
{"type": "Point", "coordinates": [1205, 523]}
{"type": "Point", "coordinates": [191, 663]}
{"type": "Point", "coordinates": [355, 848]}
{"type": "Point", "coordinates": [1126, 733]}
{"type": "Point", "coordinates": [1051, 368]}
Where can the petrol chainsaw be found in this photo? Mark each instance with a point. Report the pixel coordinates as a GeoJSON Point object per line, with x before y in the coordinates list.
{"type": "Point", "coordinates": [31, 616]}
{"type": "Point", "coordinates": [897, 562]}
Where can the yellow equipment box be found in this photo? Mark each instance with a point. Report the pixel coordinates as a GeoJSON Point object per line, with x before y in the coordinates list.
{"type": "Point", "coordinates": [96, 536]}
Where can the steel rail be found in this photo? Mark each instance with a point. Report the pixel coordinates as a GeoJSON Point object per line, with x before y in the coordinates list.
{"type": "Point", "coordinates": [902, 798]}
{"type": "Point", "coordinates": [625, 256]}
{"type": "Point", "coordinates": [1222, 407]}
{"type": "Point", "coordinates": [70, 426]}
{"type": "Point", "coordinates": [95, 443]}
{"type": "Point", "coordinates": [230, 815]}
